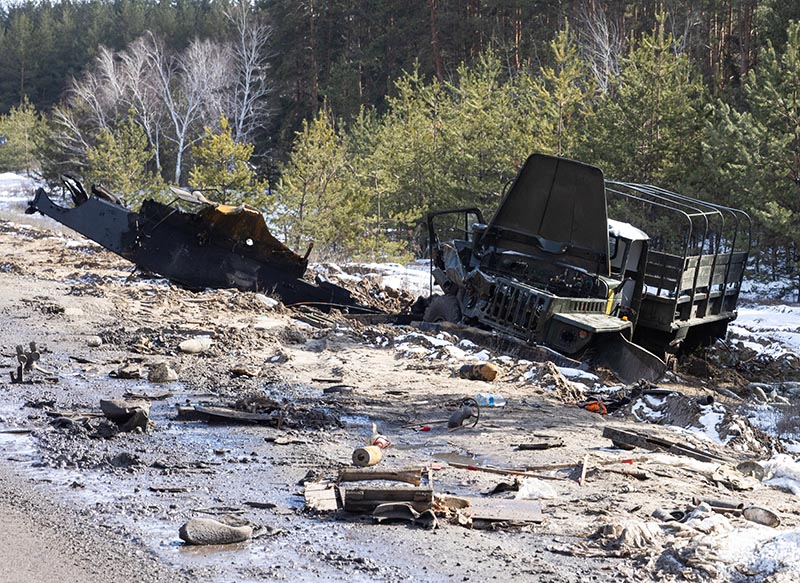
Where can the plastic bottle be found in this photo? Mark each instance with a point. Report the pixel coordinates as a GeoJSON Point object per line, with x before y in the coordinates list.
{"type": "Point", "coordinates": [490, 400]}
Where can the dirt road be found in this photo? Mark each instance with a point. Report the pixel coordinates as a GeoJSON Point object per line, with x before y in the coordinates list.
{"type": "Point", "coordinates": [81, 500]}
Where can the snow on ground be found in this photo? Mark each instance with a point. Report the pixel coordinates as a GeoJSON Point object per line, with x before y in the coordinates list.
{"type": "Point", "coordinates": [414, 278]}
{"type": "Point", "coordinates": [761, 553]}
{"type": "Point", "coordinates": [15, 189]}
{"type": "Point", "coordinates": [782, 472]}
{"type": "Point", "coordinates": [760, 291]}
{"type": "Point", "coordinates": [770, 329]}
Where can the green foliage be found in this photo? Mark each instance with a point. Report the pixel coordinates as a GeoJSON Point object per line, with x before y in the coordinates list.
{"type": "Point", "coordinates": [222, 165]}
{"type": "Point", "coordinates": [440, 146]}
{"type": "Point", "coordinates": [19, 128]}
{"type": "Point", "coordinates": [119, 162]}
{"type": "Point", "coordinates": [646, 128]}
{"type": "Point", "coordinates": [487, 133]}
{"type": "Point", "coordinates": [561, 97]}
{"type": "Point", "coordinates": [756, 154]}
{"type": "Point", "coordinates": [320, 200]}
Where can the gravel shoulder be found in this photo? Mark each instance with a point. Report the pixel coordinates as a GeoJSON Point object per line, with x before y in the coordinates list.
{"type": "Point", "coordinates": [43, 540]}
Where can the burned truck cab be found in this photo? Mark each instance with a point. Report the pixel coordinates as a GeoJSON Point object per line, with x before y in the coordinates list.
{"type": "Point", "coordinates": [541, 269]}
{"type": "Point", "coordinates": [552, 269]}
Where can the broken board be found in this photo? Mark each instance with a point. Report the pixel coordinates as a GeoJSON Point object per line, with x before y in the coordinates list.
{"type": "Point", "coordinates": [365, 500]}
{"type": "Point", "coordinates": [629, 439]}
{"type": "Point", "coordinates": [503, 510]}
{"type": "Point", "coordinates": [232, 415]}
{"type": "Point", "coordinates": [321, 496]}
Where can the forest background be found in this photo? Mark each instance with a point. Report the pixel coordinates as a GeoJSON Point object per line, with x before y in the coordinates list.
{"type": "Point", "coordinates": [348, 120]}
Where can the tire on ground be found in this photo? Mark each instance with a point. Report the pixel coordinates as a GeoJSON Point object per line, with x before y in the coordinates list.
{"type": "Point", "coordinates": [443, 309]}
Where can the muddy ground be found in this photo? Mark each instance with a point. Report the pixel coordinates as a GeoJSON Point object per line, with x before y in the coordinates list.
{"type": "Point", "coordinates": [72, 484]}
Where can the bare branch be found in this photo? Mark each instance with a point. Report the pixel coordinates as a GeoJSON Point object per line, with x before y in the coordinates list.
{"type": "Point", "coordinates": [602, 44]}
{"type": "Point", "coordinates": [249, 106]}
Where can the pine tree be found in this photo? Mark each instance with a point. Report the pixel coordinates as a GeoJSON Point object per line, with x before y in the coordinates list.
{"type": "Point", "coordinates": [119, 162]}
{"type": "Point", "coordinates": [320, 201]}
{"type": "Point", "coordinates": [646, 128]}
{"type": "Point", "coordinates": [222, 165]}
{"type": "Point", "coordinates": [562, 96]}
{"type": "Point", "coordinates": [18, 130]}
{"type": "Point", "coordinates": [763, 162]}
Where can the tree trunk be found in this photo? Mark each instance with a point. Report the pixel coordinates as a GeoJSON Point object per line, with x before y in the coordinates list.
{"type": "Point", "coordinates": [437, 57]}
{"type": "Point", "coordinates": [312, 44]}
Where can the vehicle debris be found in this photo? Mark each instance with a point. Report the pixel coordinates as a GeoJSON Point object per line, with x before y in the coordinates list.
{"type": "Point", "coordinates": [469, 408]}
{"type": "Point", "coordinates": [406, 512]}
{"type": "Point", "coordinates": [208, 531]}
{"type": "Point", "coordinates": [128, 415]}
{"type": "Point", "coordinates": [491, 512]}
{"type": "Point", "coordinates": [367, 456]}
{"type": "Point", "coordinates": [761, 515]}
{"type": "Point", "coordinates": [27, 360]}
{"type": "Point", "coordinates": [215, 245]}
{"type": "Point", "coordinates": [551, 268]}
{"type": "Point", "coordinates": [486, 371]}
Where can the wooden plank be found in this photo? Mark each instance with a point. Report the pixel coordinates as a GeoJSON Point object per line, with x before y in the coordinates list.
{"type": "Point", "coordinates": [503, 510]}
{"type": "Point", "coordinates": [367, 499]}
{"type": "Point", "coordinates": [190, 414]}
{"type": "Point", "coordinates": [410, 476]}
{"type": "Point", "coordinates": [321, 496]}
{"type": "Point", "coordinates": [626, 438]}
{"type": "Point", "coordinates": [584, 468]}
{"type": "Point", "coordinates": [504, 471]}
{"type": "Point", "coordinates": [227, 414]}
{"type": "Point", "coordinates": [653, 443]}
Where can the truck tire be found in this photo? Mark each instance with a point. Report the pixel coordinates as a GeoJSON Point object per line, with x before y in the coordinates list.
{"type": "Point", "coordinates": [443, 309]}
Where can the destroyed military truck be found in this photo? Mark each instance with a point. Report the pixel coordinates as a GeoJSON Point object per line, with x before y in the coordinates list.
{"type": "Point", "coordinates": [551, 268]}
{"type": "Point", "coordinates": [194, 242]}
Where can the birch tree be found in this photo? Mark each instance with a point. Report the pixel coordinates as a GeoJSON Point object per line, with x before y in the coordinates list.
{"type": "Point", "coordinates": [190, 85]}
{"type": "Point", "coordinates": [249, 106]}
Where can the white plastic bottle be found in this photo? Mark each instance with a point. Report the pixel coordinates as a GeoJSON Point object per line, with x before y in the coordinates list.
{"type": "Point", "coordinates": [490, 400]}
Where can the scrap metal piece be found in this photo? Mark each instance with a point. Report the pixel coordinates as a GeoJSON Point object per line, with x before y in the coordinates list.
{"type": "Point", "coordinates": [27, 362]}
{"type": "Point", "coordinates": [469, 408]}
{"type": "Point", "coordinates": [217, 246]}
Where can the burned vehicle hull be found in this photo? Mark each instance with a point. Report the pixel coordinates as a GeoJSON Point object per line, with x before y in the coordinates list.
{"type": "Point", "coordinates": [217, 246]}
{"type": "Point", "coordinates": [552, 269]}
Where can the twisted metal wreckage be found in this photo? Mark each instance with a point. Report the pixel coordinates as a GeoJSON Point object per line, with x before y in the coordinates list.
{"type": "Point", "coordinates": [217, 246]}
{"type": "Point", "coordinates": [551, 270]}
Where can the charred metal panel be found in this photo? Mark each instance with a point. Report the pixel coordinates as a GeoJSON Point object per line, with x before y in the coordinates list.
{"type": "Point", "coordinates": [218, 247]}
{"type": "Point", "coordinates": [104, 222]}
{"type": "Point", "coordinates": [558, 207]}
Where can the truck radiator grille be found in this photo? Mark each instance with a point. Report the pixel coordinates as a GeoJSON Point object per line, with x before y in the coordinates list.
{"type": "Point", "coordinates": [522, 311]}
{"type": "Point", "coordinates": [514, 308]}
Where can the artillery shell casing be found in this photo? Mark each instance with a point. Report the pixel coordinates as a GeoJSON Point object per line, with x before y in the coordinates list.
{"type": "Point", "coordinates": [367, 456]}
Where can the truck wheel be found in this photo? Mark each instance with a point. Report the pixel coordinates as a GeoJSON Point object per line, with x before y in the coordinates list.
{"type": "Point", "coordinates": [443, 309]}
